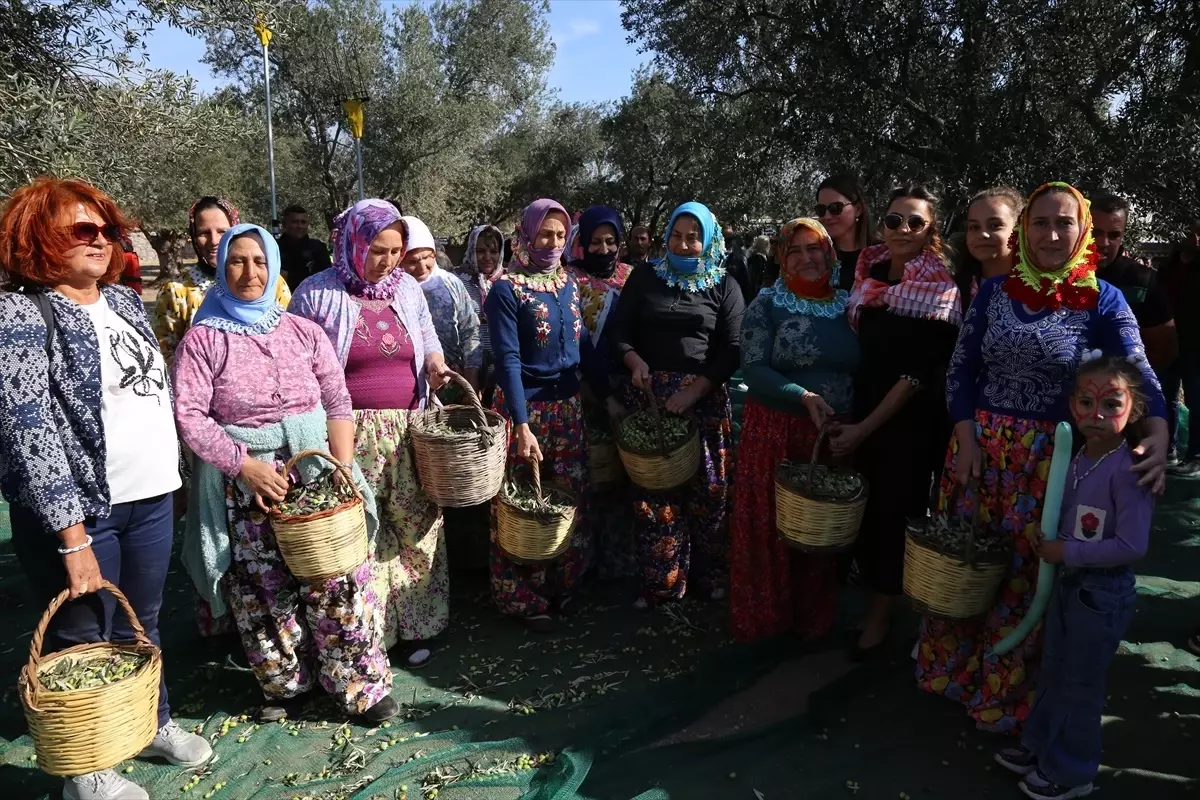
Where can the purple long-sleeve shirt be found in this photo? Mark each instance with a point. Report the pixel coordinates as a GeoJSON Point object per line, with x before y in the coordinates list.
{"type": "Point", "coordinates": [1106, 520]}
{"type": "Point", "coordinates": [232, 379]}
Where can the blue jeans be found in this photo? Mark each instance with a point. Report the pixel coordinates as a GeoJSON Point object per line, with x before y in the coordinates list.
{"type": "Point", "coordinates": [1089, 613]}
{"type": "Point", "coordinates": [132, 546]}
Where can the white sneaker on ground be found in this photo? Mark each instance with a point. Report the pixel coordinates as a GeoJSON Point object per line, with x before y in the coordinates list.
{"type": "Point", "coordinates": [103, 785]}
{"type": "Point", "coordinates": [180, 747]}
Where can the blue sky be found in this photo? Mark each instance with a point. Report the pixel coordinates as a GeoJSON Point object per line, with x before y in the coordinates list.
{"type": "Point", "coordinates": [593, 62]}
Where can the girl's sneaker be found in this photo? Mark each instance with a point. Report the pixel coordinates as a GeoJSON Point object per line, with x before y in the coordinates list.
{"type": "Point", "coordinates": [1020, 760]}
{"type": "Point", "coordinates": [1039, 787]}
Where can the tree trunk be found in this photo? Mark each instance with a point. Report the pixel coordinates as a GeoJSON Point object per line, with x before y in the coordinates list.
{"type": "Point", "coordinates": [169, 245]}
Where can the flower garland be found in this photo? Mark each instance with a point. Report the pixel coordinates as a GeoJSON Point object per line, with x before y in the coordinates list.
{"type": "Point", "coordinates": [1073, 286]}
{"type": "Point", "coordinates": [706, 279]}
{"type": "Point", "coordinates": [614, 282]}
{"type": "Point", "coordinates": [830, 308]}
{"type": "Point", "coordinates": [552, 281]}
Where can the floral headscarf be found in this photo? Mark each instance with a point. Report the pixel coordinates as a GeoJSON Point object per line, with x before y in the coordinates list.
{"type": "Point", "coordinates": [355, 229]}
{"type": "Point", "coordinates": [209, 202]}
{"type": "Point", "coordinates": [694, 274]}
{"type": "Point", "coordinates": [796, 285]}
{"type": "Point", "coordinates": [223, 310]}
{"type": "Point", "coordinates": [537, 259]}
{"type": "Point", "coordinates": [470, 266]}
{"type": "Point", "coordinates": [1073, 284]}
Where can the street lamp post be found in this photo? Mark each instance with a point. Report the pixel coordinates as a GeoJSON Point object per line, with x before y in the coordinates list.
{"type": "Point", "coordinates": [354, 114]}
{"type": "Point", "coordinates": [264, 36]}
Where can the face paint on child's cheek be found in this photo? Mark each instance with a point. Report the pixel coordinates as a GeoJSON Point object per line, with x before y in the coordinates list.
{"type": "Point", "coordinates": [1100, 405]}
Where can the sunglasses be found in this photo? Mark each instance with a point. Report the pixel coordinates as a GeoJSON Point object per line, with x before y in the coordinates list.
{"type": "Point", "coordinates": [915, 222]}
{"type": "Point", "coordinates": [88, 232]}
{"type": "Point", "coordinates": [832, 208]}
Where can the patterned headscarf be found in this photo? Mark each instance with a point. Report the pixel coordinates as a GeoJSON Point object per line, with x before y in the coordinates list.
{"type": "Point", "coordinates": [223, 310]}
{"type": "Point", "coordinates": [598, 265]}
{"type": "Point", "coordinates": [694, 274]}
{"type": "Point", "coordinates": [537, 259]}
{"type": "Point", "coordinates": [1073, 284]}
{"type": "Point", "coordinates": [926, 289]}
{"type": "Point", "coordinates": [209, 202]}
{"type": "Point", "coordinates": [355, 229]}
{"type": "Point", "coordinates": [796, 285]}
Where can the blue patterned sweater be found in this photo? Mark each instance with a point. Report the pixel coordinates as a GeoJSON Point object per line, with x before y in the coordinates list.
{"type": "Point", "coordinates": [52, 451]}
{"type": "Point", "coordinates": [1014, 362]}
{"type": "Point", "coordinates": [790, 345]}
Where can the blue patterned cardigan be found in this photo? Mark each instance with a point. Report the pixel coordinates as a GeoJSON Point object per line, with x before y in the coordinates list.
{"type": "Point", "coordinates": [52, 451]}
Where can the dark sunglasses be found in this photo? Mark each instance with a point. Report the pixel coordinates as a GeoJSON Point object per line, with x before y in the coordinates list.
{"type": "Point", "coordinates": [89, 231]}
{"type": "Point", "coordinates": [915, 222]}
{"type": "Point", "coordinates": [832, 208]}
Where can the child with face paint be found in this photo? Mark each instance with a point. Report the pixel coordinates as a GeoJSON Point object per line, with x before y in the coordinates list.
{"type": "Point", "coordinates": [1105, 527]}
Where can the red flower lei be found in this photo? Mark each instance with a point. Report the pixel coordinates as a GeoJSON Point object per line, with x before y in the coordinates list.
{"type": "Point", "coordinates": [1069, 291]}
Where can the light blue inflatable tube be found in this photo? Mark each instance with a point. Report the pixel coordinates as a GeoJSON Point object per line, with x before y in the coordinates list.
{"type": "Point", "coordinates": [1056, 482]}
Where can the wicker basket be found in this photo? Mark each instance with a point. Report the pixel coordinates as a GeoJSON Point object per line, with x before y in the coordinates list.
{"type": "Point", "coordinates": [604, 465]}
{"type": "Point", "coordinates": [947, 584]}
{"type": "Point", "coordinates": [814, 524]}
{"type": "Point", "coordinates": [660, 469]}
{"type": "Point", "coordinates": [327, 544]}
{"type": "Point", "coordinates": [83, 731]}
{"type": "Point", "coordinates": [460, 471]}
{"type": "Point", "coordinates": [531, 538]}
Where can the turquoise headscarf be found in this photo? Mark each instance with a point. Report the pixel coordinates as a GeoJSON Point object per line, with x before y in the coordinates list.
{"type": "Point", "coordinates": [223, 310]}
{"type": "Point", "coordinates": [713, 252]}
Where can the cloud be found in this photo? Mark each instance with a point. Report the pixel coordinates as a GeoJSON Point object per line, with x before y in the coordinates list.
{"type": "Point", "coordinates": [576, 29]}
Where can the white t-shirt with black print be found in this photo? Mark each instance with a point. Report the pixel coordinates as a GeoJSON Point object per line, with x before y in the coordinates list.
{"type": "Point", "coordinates": [135, 407]}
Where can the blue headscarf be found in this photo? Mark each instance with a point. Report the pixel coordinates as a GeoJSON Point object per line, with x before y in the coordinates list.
{"type": "Point", "coordinates": [713, 251]}
{"type": "Point", "coordinates": [599, 265]}
{"type": "Point", "coordinates": [695, 274]}
{"type": "Point", "coordinates": [223, 310]}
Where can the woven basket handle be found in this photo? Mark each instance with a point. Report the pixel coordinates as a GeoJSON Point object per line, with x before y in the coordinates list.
{"type": "Point", "coordinates": [816, 452]}
{"type": "Point", "coordinates": [537, 478]}
{"type": "Point", "coordinates": [39, 633]}
{"type": "Point", "coordinates": [955, 493]}
{"type": "Point", "coordinates": [466, 386]}
{"type": "Point", "coordinates": [337, 465]}
{"type": "Point", "coordinates": [652, 405]}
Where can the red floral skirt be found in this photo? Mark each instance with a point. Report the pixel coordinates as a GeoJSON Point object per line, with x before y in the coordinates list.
{"type": "Point", "coordinates": [773, 587]}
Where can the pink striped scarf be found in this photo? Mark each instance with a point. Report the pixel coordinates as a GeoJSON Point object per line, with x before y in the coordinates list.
{"type": "Point", "coordinates": [925, 291]}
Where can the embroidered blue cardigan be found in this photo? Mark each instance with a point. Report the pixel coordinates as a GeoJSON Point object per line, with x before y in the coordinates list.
{"type": "Point", "coordinates": [52, 450]}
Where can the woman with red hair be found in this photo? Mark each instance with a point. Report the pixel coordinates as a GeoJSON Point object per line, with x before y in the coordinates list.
{"type": "Point", "coordinates": [88, 454]}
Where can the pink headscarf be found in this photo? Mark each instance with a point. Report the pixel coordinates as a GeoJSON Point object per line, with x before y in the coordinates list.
{"type": "Point", "coordinates": [538, 259]}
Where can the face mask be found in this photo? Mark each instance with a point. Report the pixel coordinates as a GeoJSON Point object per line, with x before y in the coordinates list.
{"type": "Point", "coordinates": [600, 264]}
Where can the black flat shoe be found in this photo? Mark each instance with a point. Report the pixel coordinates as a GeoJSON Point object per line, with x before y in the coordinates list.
{"type": "Point", "coordinates": [382, 711]}
{"type": "Point", "coordinates": [275, 709]}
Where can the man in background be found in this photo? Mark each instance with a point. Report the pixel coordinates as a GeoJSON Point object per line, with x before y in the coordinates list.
{"type": "Point", "coordinates": [301, 255]}
{"type": "Point", "coordinates": [1181, 277]}
{"type": "Point", "coordinates": [637, 249]}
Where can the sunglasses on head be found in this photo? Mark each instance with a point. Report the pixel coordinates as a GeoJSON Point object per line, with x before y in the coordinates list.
{"type": "Point", "coordinates": [915, 222]}
{"type": "Point", "coordinates": [89, 231]}
{"type": "Point", "coordinates": [831, 208]}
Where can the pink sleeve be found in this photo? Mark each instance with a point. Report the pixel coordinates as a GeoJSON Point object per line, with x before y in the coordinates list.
{"type": "Point", "coordinates": [192, 375]}
{"type": "Point", "coordinates": [335, 397]}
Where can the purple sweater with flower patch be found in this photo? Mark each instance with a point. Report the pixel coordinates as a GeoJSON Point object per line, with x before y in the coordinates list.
{"type": "Point", "coordinates": [1105, 521]}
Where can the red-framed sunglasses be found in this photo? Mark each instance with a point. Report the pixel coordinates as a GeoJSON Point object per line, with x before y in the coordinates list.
{"type": "Point", "coordinates": [88, 232]}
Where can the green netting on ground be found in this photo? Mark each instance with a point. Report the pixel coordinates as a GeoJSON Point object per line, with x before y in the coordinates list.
{"type": "Point", "coordinates": [657, 706]}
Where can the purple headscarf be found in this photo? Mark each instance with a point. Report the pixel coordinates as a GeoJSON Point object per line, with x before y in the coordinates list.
{"type": "Point", "coordinates": [538, 259]}
{"type": "Point", "coordinates": [355, 229]}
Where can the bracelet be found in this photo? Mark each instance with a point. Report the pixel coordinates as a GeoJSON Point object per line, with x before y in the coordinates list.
{"type": "Point", "coordinates": [66, 551]}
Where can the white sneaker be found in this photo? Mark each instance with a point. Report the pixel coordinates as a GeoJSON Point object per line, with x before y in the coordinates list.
{"type": "Point", "coordinates": [103, 785]}
{"type": "Point", "coordinates": [181, 748]}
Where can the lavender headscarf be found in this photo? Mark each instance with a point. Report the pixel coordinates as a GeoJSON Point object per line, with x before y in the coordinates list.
{"type": "Point", "coordinates": [355, 229]}
{"type": "Point", "coordinates": [538, 259]}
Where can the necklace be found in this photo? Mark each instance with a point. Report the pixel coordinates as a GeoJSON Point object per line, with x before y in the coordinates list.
{"type": "Point", "coordinates": [1075, 465]}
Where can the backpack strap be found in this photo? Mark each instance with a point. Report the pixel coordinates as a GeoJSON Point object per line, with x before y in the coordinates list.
{"type": "Point", "coordinates": [46, 306]}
